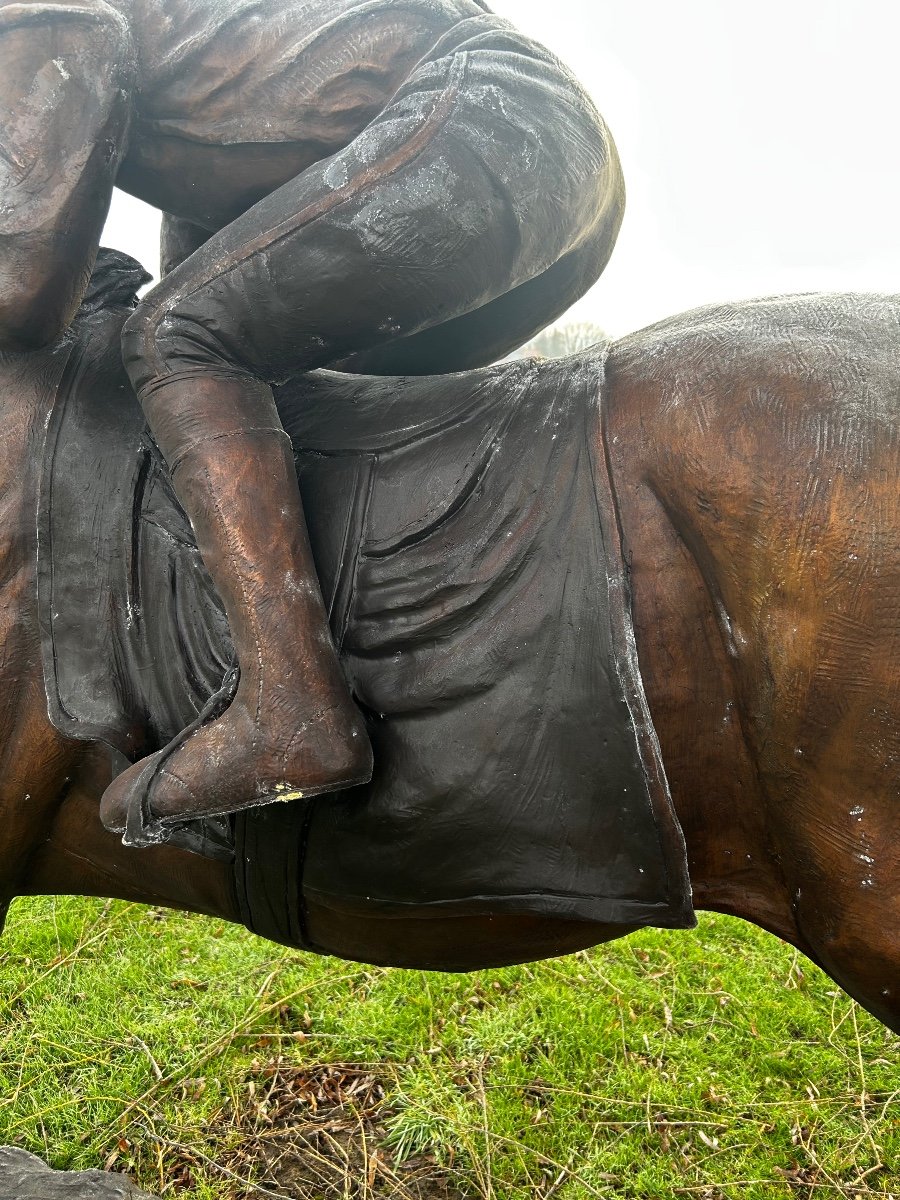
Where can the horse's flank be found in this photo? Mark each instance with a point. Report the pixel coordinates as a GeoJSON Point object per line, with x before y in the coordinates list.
{"type": "Point", "coordinates": [756, 452]}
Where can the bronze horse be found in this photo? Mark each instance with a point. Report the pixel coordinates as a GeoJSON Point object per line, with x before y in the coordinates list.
{"type": "Point", "coordinates": [754, 454]}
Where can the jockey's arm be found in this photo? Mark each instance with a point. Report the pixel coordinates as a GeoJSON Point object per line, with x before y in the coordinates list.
{"type": "Point", "coordinates": [66, 77]}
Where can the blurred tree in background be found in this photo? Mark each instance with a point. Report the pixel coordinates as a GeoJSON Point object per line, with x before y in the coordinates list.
{"type": "Point", "coordinates": [556, 341]}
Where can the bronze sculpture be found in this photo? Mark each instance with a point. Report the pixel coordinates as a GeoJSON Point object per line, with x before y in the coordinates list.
{"type": "Point", "coordinates": [440, 189]}
{"type": "Point", "coordinates": [753, 452]}
{"type": "Point", "coordinates": [405, 187]}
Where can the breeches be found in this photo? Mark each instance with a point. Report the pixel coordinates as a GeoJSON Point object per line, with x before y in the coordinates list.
{"type": "Point", "coordinates": [481, 202]}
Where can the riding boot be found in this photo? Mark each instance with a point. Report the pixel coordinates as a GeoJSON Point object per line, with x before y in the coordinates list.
{"type": "Point", "coordinates": [291, 728]}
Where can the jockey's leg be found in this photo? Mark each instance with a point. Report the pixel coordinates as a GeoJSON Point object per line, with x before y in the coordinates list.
{"type": "Point", "coordinates": [488, 167]}
{"type": "Point", "coordinates": [475, 339]}
{"type": "Point", "coordinates": [292, 728]}
{"type": "Point", "coordinates": [67, 73]}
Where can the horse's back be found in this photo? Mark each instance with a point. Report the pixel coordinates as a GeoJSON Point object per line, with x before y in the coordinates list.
{"type": "Point", "coordinates": [774, 446]}
{"type": "Point", "coordinates": [837, 354]}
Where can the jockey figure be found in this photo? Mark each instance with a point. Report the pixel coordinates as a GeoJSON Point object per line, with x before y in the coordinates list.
{"type": "Point", "coordinates": [387, 186]}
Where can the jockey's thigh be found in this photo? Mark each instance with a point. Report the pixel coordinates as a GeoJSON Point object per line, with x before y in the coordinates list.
{"type": "Point", "coordinates": [487, 169]}
{"type": "Point", "coordinates": [484, 335]}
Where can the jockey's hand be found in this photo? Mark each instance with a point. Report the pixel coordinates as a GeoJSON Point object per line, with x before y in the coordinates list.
{"type": "Point", "coordinates": [65, 99]}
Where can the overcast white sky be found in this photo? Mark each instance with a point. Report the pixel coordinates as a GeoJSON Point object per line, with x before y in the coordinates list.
{"type": "Point", "coordinates": [759, 143]}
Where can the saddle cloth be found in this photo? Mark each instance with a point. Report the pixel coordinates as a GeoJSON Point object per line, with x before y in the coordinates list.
{"type": "Point", "coordinates": [465, 534]}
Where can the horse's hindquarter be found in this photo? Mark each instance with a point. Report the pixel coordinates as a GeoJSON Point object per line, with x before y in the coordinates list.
{"type": "Point", "coordinates": [771, 438]}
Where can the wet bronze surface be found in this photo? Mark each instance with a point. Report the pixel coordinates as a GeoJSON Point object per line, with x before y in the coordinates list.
{"type": "Point", "coordinates": [756, 453]}
{"type": "Point", "coordinates": [414, 188]}
{"type": "Point", "coordinates": [340, 179]}
{"type": "Point", "coordinates": [716, 533]}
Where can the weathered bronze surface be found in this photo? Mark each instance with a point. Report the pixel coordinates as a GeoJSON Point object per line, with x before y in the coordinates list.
{"type": "Point", "coordinates": [406, 187]}
{"type": "Point", "coordinates": [465, 539]}
{"type": "Point", "coordinates": [754, 452]}
{"type": "Point", "coordinates": [403, 186]}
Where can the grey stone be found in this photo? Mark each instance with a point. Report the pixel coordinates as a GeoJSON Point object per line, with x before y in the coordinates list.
{"type": "Point", "coordinates": [25, 1177]}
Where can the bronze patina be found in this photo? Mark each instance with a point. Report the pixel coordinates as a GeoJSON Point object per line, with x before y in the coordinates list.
{"type": "Point", "coordinates": [399, 185]}
{"type": "Point", "coordinates": [752, 452]}
{"type": "Point", "coordinates": [616, 628]}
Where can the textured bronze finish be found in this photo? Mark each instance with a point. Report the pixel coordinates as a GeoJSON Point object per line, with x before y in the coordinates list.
{"type": "Point", "coordinates": [410, 186]}
{"type": "Point", "coordinates": [465, 540]}
{"type": "Point", "coordinates": [756, 453]}
{"type": "Point", "coordinates": [764, 555]}
{"type": "Point", "coordinates": [342, 180]}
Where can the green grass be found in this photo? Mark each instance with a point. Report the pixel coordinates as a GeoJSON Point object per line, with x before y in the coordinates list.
{"type": "Point", "coordinates": [711, 1064]}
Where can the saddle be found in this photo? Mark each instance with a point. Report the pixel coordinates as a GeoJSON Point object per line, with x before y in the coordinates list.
{"type": "Point", "coordinates": [465, 535]}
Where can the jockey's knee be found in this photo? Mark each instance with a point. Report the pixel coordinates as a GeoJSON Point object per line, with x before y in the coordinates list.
{"type": "Point", "coordinates": [526, 119]}
{"type": "Point", "coordinates": [190, 394]}
{"type": "Point", "coordinates": [158, 343]}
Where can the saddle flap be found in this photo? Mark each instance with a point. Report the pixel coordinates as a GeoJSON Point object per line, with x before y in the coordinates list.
{"type": "Point", "coordinates": [469, 560]}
